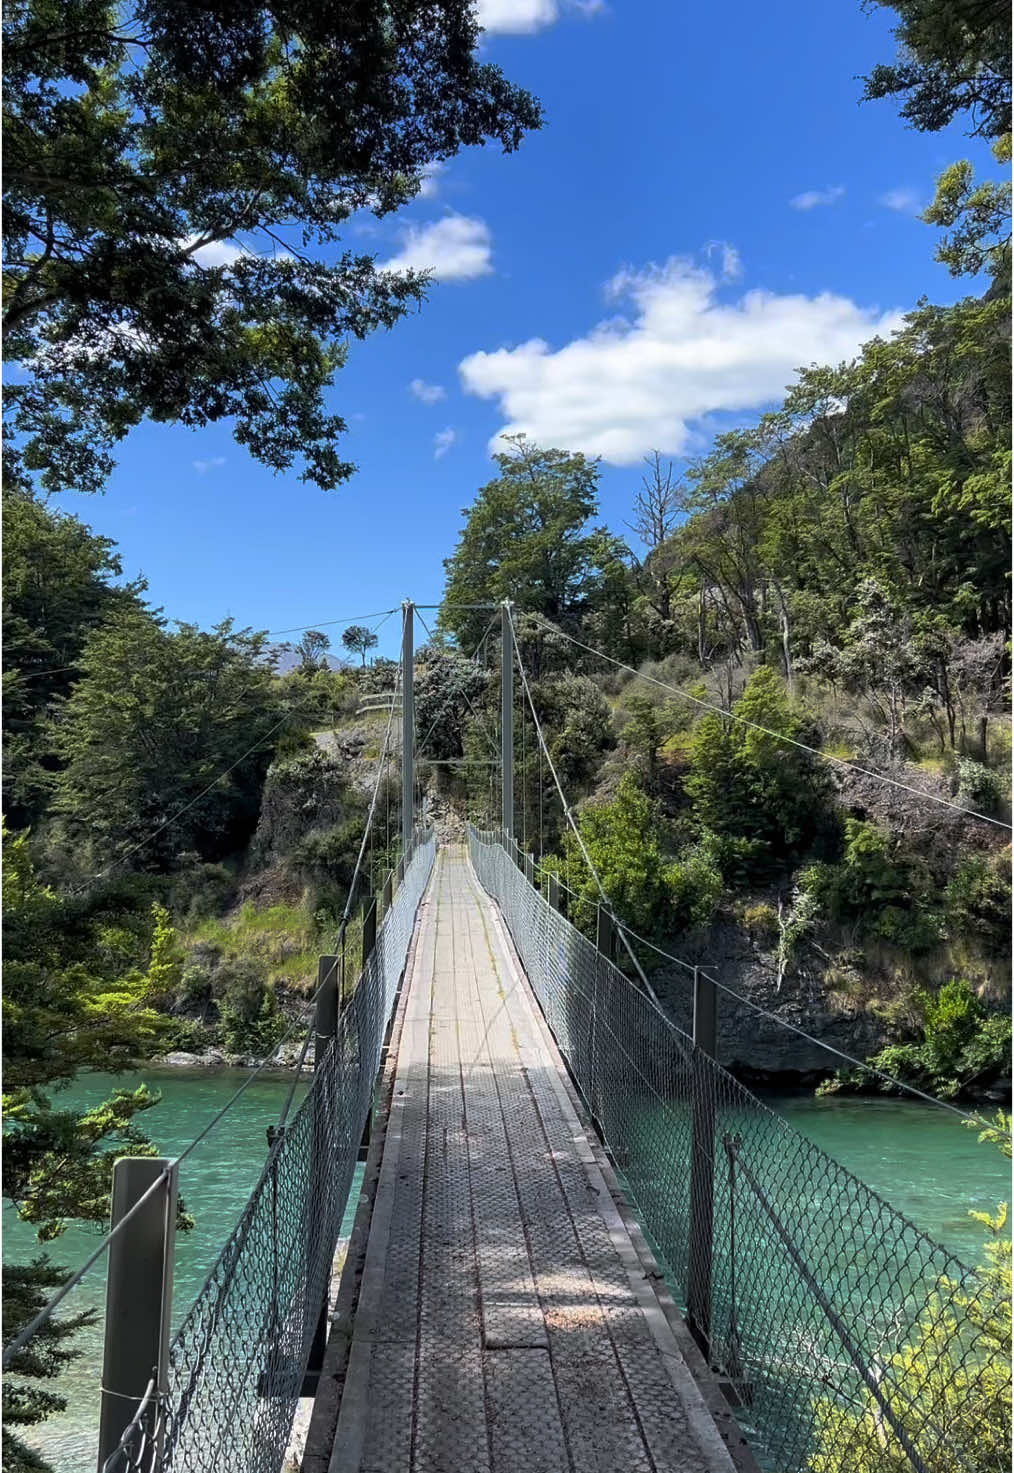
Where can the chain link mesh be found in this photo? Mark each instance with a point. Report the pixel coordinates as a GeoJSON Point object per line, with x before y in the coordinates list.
{"type": "Point", "coordinates": [849, 1341]}
{"type": "Point", "coordinates": [237, 1362]}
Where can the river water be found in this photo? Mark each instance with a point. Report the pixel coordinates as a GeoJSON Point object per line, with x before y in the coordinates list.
{"type": "Point", "coordinates": [922, 1160]}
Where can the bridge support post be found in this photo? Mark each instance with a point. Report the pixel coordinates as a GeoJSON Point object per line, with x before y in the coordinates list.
{"type": "Point", "coordinates": [530, 869]}
{"type": "Point", "coordinates": [388, 892]}
{"type": "Point", "coordinates": [369, 928]}
{"type": "Point", "coordinates": [369, 945]}
{"type": "Point", "coordinates": [325, 1028]}
{"type": "Point", "coordinates": [407, 732]}
{"type": "Point", "coordinates": [702, 1161]}
{"type": "Point", "coordinates": [138, 1296]}
{"type": "Point", "coordinates": [554, 890]}
{"type": "Point", "coordinates": [605, 933]}
{"type": "Point", "coordinates": [507, 719]}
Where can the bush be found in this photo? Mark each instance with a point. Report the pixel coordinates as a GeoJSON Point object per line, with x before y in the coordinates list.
{"type": "Point", "coordinates": [962, 1044]}
{"type": "Point", "coordinates": [751, 788]}
{"type": "Point", "coordinates": [980, 786]}
{"type": "Point", "coordinates": [977, 900]}
{"type": "Point", "coordinates": [884, 892]}
{"type": "Point", "coordinates": [251, 1020]}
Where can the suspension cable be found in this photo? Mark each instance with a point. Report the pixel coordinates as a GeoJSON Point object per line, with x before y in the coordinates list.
{"type": "Point", "coordinates": [777, 735]}
{"type": "Point", "coordinates": [572, 821]}
{"type": "Point", "coordinates": [52, 1304]}
{"type": "Point", "coordinates": [810, 1038]}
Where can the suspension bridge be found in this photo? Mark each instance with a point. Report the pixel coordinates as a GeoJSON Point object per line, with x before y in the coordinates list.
{"type": "Point", "coordinates": [579, 1244]}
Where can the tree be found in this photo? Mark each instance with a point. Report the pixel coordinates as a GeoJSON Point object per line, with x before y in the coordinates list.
{"type": "Point", "coordinates": [978, 215]}
{"type": "Point", "coordinates": [358, 639]}
{"type": "Point", "coordinates": [632, 849]}
{"type": "Point", "coordinates": [81, 980]}
{"type": "Point", "coordinates": [57, 590]}
{"type": "Point", "coordinates": [166, 723]}
{"type": "Point", "coordinates": [526, 537]}
{"type": "Point", "coordinates": [765, 800]}
{"type": "Point", "coordinates": [954, 57]}
{"type": "Point", "coordinates": [312, 650]}
{"type": "Point", "coordinates": [177, 176]}
{"type": "Point", "coordinates": [657, 504]}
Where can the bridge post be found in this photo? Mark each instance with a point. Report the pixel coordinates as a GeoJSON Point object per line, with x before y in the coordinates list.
{"type": "Point", "coordinates": [530, 869]}
{"type": "Point", "coordinates": [138, 1295]}
{"type": "Point", "coordinates": [325, 1028]}
{"type": "Point", "coordinates": [507, 718]}
{"type": "Point", "coordinates": [369, 945]}
{"type": "Point", "coordinates": [369, 928]}
{"type": "Point", "coordinates": [388, 892]}
{"type": "Point", "coordinates": [605, 933]}
{"type": "Point", "coordinates": [407, 732]}
{"type": "Point", "coordinates": [554, 890]}
{"type": "Point", "coordinates": [702, 1161]}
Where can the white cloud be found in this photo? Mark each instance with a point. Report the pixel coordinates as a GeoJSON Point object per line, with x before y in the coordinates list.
{"type": "Point", "coordinates": [811, 198]}
{"type": "Point", "coordinates": [429, 179]}
{"type": "Point", "coordinates": [524, 17]}
{"type": "Point", "coordinates": [732, 264]}
{"type": "Point", "coordinates": [218, 253]}
{"type": "Point", "coordinates": [427, 393]}
{"type": "Point", "coordinates": [442, 442]}
{"type": "Point", "coordinates": [629, 387]}
{"type": "Point", "coordinates": [454, 249]}
{"type": "Point", "coordinates": [203, 466]}
{"type": "Point", "coordinates": [516, 17]}
{"type": "Point", "coordinates": [905, 201]}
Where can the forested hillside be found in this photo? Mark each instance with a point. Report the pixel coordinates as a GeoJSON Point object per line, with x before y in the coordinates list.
{"type": "Point", "coordinates": [777, 695]}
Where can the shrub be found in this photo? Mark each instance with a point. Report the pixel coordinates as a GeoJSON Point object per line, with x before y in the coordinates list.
{"type": "Point", "coordinates": [251, 1020]}
{"type": "Point", "coordinates": [979, 785]}
{"type": "Point", "coordinates": [962, 1044]}
{"type": "Point", "coordinates": [761, 921]}
{"type": "Point", "coordinates": [751, 787]}
{"type": "Point", "coordinates": [977, 900]}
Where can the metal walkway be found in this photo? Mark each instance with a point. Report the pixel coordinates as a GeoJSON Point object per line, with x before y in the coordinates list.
{"type": "Point", "coordinates": [505, 1323]}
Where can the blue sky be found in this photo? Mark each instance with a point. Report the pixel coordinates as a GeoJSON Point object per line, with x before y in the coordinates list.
{"type": "Point", "coordinates": [707, 207]}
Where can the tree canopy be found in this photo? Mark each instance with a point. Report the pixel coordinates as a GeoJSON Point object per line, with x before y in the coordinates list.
{"type": "Point", "coordinates": [954, 57]}
{"type": "Point", "coordinates": [177, 175]}
{"type": "Point", "coordinates": [526, 537]}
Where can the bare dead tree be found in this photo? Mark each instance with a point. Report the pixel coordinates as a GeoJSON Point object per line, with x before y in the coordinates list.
{"type": "Point", "coordinates": [657, 504]}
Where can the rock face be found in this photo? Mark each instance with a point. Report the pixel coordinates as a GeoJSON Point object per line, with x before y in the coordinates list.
{"type": "Point", "coordinates": [759, 1048]}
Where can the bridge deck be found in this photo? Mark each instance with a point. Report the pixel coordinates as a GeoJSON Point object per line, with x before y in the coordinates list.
{"type": "Point", "coordinates": [504, 1323]}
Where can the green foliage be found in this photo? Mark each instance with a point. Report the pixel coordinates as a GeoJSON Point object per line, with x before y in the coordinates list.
{"type": "Point", "coordinates": [56, 592]}
{"type": "Point", "coordinates": [448, 689]}
{"type": "Point", "coordinates": [359, 639]}
{"type": "Point", "coordinates": [26, 1288]}
{"type": "Point", "coordinates": [765, 800]}
{"type": "Point", "coordinates": [878, 888]}
{"type": "Point", "coordinates": [761, 922]}
{"type": "Point", "coordinates": [981, 786]}
{"type": "Point", "coordinates": [252, 1022]}
{"type": "Point", "coordinates": [651, 888]}
{"type": "Point", "coordinates": [978, 217]}
{"type": "Point", "coordinates": [963, 1044]}
{"type": "Point", "coordinates": [151, 728]}
{"type": "Point", "coordinates": [953, 58]}
{"type": "Point", "coordinates": [526, 538]}
{"type": "Point", "coordinates": [977, 900]}
{"type": "Point", "coordinates": [155, 157]}
{"type": "Point", "coordinates": [80, 989]}
{"type": "Point", "coordinates": [945, 1379]}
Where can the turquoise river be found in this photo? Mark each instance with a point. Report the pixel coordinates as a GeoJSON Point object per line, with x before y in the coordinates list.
{"type": "Point", "coordinates": [922, 1160]}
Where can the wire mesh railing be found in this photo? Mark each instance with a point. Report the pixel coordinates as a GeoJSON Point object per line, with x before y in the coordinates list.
{"type": "Point", "coordinates": [849, 1341]}
{"type": "Point", "coordinates": [236, 1365]}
